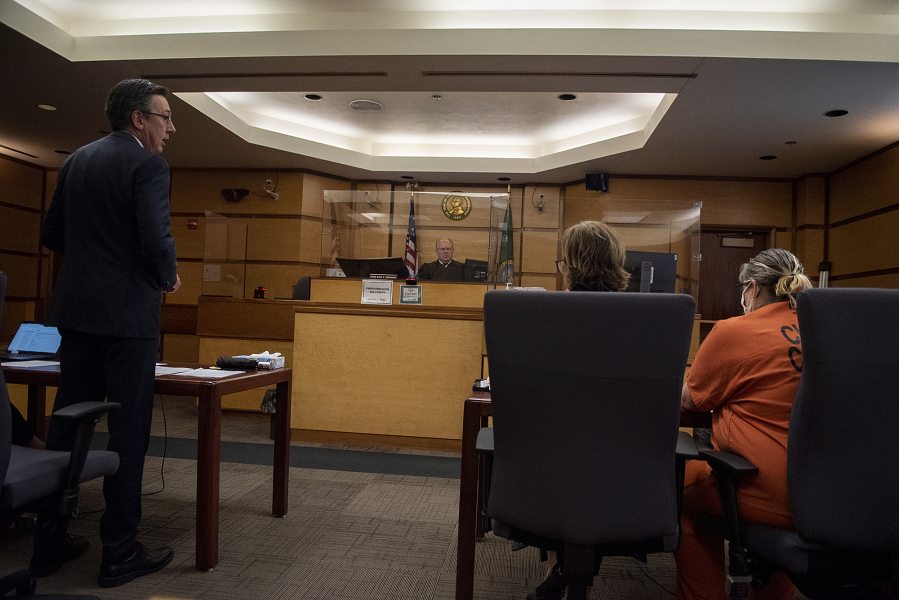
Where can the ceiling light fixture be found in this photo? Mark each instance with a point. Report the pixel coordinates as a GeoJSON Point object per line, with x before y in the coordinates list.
{"type": "Point", "coordinates": [437, 97]}
{"type": "Point", "coordinates": [836, 113]}
{"type": "Point", "coordinates": [567, 97]}
{"type": "Point", "coordinates": [62, 151]}
{"type": "Point", "coordinates": [369, 105]}
{"type": "Point", "coordinates": [503, 178]}
{"type": "Point", "coordinates": [407, 177]}
{"type": "Point", "coordinates": [313, 97]}
{"type": "Point", "coordinates": [46, 107]}
{"type": "Point", "coordinates": [767, 157]}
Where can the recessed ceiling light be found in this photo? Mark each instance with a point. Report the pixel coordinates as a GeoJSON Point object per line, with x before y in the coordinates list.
{"type": "Point", "coordinates": [836, 113]}
{"type": "Point", "coordinates": [503, 178]}
{"type": "Point", "coordinates": [767, 157]}
{"type": "Point", "coordinates": [62, 151]}
{"type": "Point", "coordinates": [791, 143]}
{"type": "Point", "coordinates": [369, 105]}
{"type": "Point", "coordinates": [407, 177]}
{"type": "Point", "coordinates": [313, 97]}
{"type": "Point", "coordinates": [567, 97]}
{"type": "Point", "coordinates": [437, 97]}
{"type": "Point", "coordinates": [46, 107]}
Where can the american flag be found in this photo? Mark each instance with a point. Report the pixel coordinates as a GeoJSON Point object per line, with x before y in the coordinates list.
{"type": "Point", "coordinates": [411, 244]}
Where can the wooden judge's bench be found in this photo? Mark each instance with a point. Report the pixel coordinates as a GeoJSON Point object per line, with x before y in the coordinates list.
{"type": "Point", "coordinates": [363, 374]}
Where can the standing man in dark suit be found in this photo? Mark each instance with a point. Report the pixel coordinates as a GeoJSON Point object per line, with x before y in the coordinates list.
{"type": "Point", "coordinates": [109, 219]}
{"type": "Point", "coordinates": [444, 268]}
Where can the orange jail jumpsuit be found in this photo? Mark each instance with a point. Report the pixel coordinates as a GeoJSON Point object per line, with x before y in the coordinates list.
{"type": "Point", "coordinates": [746, 371]}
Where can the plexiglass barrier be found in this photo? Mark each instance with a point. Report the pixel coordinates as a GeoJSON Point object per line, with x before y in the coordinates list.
{"type": "Point", "coordinates": [396, 234]}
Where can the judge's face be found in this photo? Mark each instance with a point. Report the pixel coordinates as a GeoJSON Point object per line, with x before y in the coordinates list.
{"type": "Point", "coordinates": [445, 251]}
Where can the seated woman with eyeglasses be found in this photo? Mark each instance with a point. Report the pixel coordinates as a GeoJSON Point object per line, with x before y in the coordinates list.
{"type": "Point", "coordinates": [746, 372]}
{"type": "Point", "coordinates": [592, 261]}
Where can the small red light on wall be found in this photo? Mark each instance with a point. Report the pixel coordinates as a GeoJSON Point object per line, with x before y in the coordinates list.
{"type": "Point", "coordinates": [191, 223]}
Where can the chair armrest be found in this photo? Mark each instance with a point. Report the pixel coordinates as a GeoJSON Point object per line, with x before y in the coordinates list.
{"type": "Point", "coordinates": [84, 410]}
{"type": "Point", "coordinates": [728, 468]}
{"type": "Point", "coordinates": [484, 442]}
{"type": "Point", "coordinates": [686, 447]}
{"type": "Point", "coordinates": [728, 462]}
{"type": "Point", "coordinates": [85, 416]}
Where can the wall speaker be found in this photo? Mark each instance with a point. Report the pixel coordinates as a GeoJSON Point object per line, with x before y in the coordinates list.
{"type": "Point", "coordinates": [598, 182]}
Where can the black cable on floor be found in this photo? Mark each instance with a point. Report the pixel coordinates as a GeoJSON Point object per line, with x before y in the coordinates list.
{"type": "Point", "coordinates": [165, 446]}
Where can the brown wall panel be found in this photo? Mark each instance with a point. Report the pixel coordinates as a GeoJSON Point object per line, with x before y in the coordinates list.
{"type": "Point", "coordinates": [19, 230]}
{"type": "Point", "coordinates": [189, 243]}
{"type": "Point", "coordinates": [548, 218]}
{"type": "Point", "coordinates": [181, 348]}
{"type": "Point", "coordinates": [723, 202]}
{"type": "Point", "coordinates": [865, 187]}
{"type": "Point", "coordinates": [810, 249]}
{"type": "Point", "coordinates": [191, 274]}
{"type": "Point", "coordinates": [810, 192]}
{"type": "Point", "coordinates": [313, 192]}
{"type": "Point", "coordinates": [311, 251]}
{"type": "Point", "coordinates": [277, 279]}
{"type": "Point", "coordinates": [199, 191]}
{"type": "Point", "coordinates": [273, 239]}
{"type": "Point", "coordinates": [20, 184]}
{"type": "Point", "coordinates": [867, 245]}
{"type": "Point", "coordinates": [539, 250]}
{"type": "Point", "coordinates": [881, 281]}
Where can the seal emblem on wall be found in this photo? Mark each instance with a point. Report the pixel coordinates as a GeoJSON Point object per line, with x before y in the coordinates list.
{"type": "Point", "coordinates": [456, 206]}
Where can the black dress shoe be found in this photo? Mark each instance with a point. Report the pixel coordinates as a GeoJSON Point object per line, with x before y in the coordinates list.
{"type": "Point", "coordinates": [141, 562]}
{"type": "Point", "coordinates": [47, 564]}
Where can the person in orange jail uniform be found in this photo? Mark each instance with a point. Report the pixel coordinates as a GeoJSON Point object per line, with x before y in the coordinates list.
{"type": "Point", "coordinates": [746, 372]}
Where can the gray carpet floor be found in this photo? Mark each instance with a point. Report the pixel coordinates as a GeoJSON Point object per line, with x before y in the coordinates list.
{"type": "Point", "coordinates": [363, 523]}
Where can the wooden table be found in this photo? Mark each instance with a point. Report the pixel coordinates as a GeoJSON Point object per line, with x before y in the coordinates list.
{"type": "Point", "coordinates": [209, 392]}
{"type": "Point", "coordinates": [477, 410]}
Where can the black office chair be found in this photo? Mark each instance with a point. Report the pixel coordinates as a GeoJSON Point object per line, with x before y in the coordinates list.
{"type": "Point", "coordinates": [586, 403]}
{"type": "Point", "coordinates": [842, 457]}
{"type": "Point", "coordinates": [30, 476]}
{"type": "Point", "coordinates": [302, 289]}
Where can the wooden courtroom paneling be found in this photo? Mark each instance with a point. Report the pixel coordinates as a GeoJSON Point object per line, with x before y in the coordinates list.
{"type": "Point", "coordinates": [277, 279]}
{"type": "Point", "coordinates": [21, 184]}
{"type": "Point", "coordinates": [866, 245]}
{"type": "Point", "coordinates": [383, 375]}
{"type": "Point", "coordinates": [178, 318]}
{"type": "Point", "coordinates": [890, 280]}
{"type": "Point", "coordinates": [245, 319]}
{"type": "Point", "coordinates": [273, 239]}
{"type": "Point", "coordinates": [539, 251]}
{"type": "Point", "coordinates": [313, 194]}
{"type": "Point", "coordinates": [548, 218]}
{"type": "Point", "coordinates": [180, 348]}
{"type": "Point", "coordinates": [189, 243]}
{"type": "Point", "coordinates": [867, 186]}
{"type": "Point", "coordinates": [723, 202]}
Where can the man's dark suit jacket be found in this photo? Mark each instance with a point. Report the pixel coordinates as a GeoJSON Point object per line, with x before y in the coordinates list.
{"type": "Point", "coordinates": [434, 271]}
{"type": "Point", "coordinates": [109, 218]}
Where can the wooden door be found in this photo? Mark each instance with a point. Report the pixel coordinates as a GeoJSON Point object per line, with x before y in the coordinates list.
{"type": "Point", "coordinates": [719, 296]}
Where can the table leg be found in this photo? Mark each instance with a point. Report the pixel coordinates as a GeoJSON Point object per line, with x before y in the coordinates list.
{"type": "Point", "coordinates": [37, 410]}
{"type": "Point", "coordinates": [282, 450]}
{"type": "Point", "coordinates": [209, 438]}
{"type": "Point", "coordinates": [468, 504]}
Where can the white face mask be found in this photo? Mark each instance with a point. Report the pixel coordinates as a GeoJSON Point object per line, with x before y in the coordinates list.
{"type": "Point", "coordinates": [746, 308]}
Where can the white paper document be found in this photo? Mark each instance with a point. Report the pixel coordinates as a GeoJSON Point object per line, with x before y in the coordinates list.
{"type": "Point", "coordinates": [164, 370]}
{"type": "Point", "coordinates": [26, 364]}
{"type": "Point", "coordinates": [208, 373]}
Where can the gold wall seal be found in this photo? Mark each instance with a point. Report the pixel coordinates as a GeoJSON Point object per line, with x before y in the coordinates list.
{"type": "Point", "coordinates": [456, 206]}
